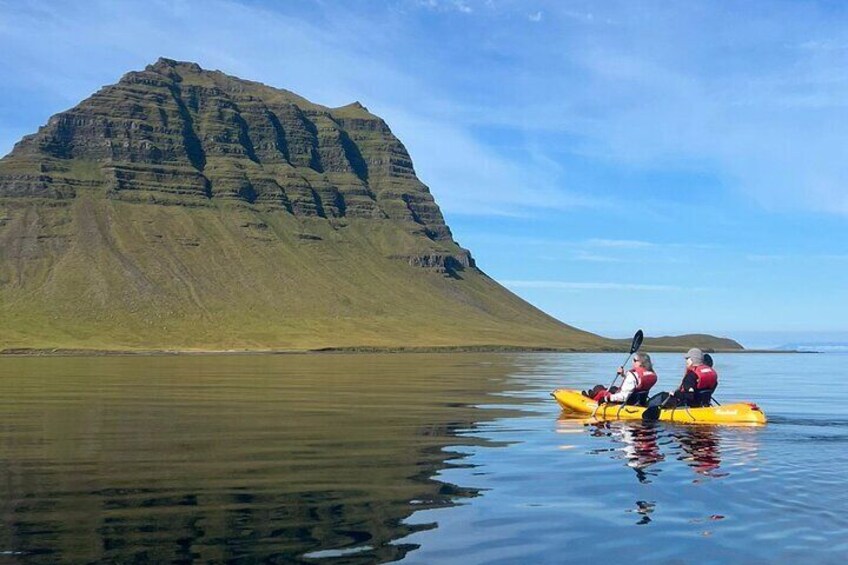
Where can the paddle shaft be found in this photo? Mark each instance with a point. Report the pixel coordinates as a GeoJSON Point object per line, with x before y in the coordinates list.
{"type": "Point", "coordinates": [615, 378]}
{"type": "Point", "coordinates": [634, 347]}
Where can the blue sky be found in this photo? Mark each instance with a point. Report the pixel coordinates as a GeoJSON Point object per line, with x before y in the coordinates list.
{"type": "Point", "coordinates": [679, 167]}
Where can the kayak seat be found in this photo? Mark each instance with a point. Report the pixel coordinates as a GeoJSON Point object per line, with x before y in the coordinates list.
{"type": "Point", "coordinates": [702, 398]}
{"type": "Point", "coordinates": [639, 398]}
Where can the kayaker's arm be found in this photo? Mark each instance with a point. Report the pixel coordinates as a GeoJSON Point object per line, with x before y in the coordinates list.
{"type": "Point", "coordinates": [627, 387]}
{"type": "Point", "coordinates": [690, 381]}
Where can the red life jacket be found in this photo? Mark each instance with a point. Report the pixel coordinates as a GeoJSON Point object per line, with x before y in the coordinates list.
{"type": "Point", "coordinates": [707, 377]}
{"type": "Point", "coordinates": [645, 379]}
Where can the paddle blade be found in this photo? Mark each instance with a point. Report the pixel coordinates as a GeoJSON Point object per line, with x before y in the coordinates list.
{"type": "Point", "coordinates": [637, 342]}
{"type": "Point", "coordinates": [658, 399]}
{"type": "Point", "coordinates": [708, 360]}
{"type": "Point", "coordinates": [651, 414]}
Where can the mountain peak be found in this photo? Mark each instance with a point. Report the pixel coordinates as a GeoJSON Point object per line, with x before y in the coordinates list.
{"type": "Point", "coordinates": [175, 133]}
{"type": "Point", "coordinates": [165, 65]}
{"type": "Point", "coordinates": [166, 62]}
{"type": "Point", "coordinates": [354, 110]}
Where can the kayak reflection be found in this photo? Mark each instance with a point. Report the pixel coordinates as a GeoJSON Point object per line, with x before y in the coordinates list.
{"type": "Point", "coordinates": [639, 445]}
{"type": "Point", "coordinates": [700, 449]}
{"type": "Point", "coordinates": [710, 452]}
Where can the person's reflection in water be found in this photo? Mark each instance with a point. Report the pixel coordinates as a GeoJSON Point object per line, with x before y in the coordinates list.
{"type": "Point", "coordinates": [639, 441]}
{"type": "Point", "coordinates": [641, 448]}
{"type": "Point", "coordinates": [641, 451]}
{"type": "Point", "coordinates": [644, 508]}
{"type": "Point", "coordinates": [700, 449]}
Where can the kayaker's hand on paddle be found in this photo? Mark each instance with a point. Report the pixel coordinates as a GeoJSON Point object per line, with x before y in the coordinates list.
{"type": "Point", "coordinates": [620, 371]}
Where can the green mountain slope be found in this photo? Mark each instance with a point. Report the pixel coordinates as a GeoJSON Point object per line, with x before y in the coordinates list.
{"type": "Point", "coordinates": [187, 209]}
{"type": "Point", "coordinates": [686, 341]}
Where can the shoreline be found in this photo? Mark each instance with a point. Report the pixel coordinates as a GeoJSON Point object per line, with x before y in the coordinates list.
{"type": "Point", "coordinates": [63, 352]}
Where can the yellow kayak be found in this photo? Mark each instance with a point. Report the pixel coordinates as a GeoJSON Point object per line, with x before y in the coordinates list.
{"type": "Point", "coordinates": [739, 413]}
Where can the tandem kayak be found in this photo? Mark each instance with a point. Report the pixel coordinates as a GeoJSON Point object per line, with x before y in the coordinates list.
{"type": "Point", "coordinates": [739, 413]}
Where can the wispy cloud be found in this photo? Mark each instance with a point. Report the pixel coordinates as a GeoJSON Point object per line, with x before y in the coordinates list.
{"type": "Point", "coordinates": [468, 177]}
{"type": "Point", "coordinates": [811, 257]}
{"type": "Point", "coordinates": [769, 125]}
{"type": "Point", "coordinates": [446, 6]}
{"type": "Point", "coordinates": [535, 17]}
{"type": "Point", "coordinates": [462, 7]}
{"type": "Point", "coordinates": [620, 243]}
{"type": "Point", "coordinates": [595, 258]}
{"type": "Point", "coordinates": [824, 45]}
{"type": "Point", "coordinates": [597, 249]}
{"type": "Point", "coordinates": [579, 286]}
{"type": "Point", "coordinates": [766, 258]}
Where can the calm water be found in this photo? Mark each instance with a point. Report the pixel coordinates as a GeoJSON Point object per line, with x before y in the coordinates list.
{"type": "Point", "coordinates": [420, 458]}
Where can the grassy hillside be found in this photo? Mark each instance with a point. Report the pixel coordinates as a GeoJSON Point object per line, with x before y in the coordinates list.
{"type": "Point", "coordinates": [684, 342]}
{"type": "Point", "coordinates": [97, 273]}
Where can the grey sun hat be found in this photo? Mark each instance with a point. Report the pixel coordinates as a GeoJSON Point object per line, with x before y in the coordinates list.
{"type": "Point", "coordinates": [696, 355]}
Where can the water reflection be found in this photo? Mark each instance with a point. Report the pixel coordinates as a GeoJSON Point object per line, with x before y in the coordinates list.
{"type": "Point", "coordinates": [644, 509]}
{"type": "Point", "coordinates": [260, 458]}
{"type": "Point", "coordinates": [700, 449]}
{"type": "Point", "coordinates": [636, 442]}
{"type": "Point", "coordinates": [645, 447]}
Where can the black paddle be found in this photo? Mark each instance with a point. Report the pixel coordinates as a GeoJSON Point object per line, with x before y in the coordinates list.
{"type": "Point", "coordinates": [634, 347]}
{"type": "Point", "coordinates": [652, 412]}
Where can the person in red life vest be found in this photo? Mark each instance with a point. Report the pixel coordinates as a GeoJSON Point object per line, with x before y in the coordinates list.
{"type": "Point", "coordinates": [638, 381]}
{"type": "Point", "coordinates": [699, 382]}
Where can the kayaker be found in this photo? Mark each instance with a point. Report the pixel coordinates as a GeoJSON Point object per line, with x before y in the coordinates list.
{"type": "Point", "coordinates": [699, 382]}
{"type": "Point", "coordinates": [638, 381]}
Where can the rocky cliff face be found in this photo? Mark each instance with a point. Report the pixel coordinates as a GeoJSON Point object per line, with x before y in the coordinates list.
{"type": "Point", "coordinates": [176, 134]}
{"type": "Point", "coordinates": [185, 208]}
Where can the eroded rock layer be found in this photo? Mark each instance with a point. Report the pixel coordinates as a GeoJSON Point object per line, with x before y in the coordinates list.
{"type": "Point", "coordinates": [174, 133]}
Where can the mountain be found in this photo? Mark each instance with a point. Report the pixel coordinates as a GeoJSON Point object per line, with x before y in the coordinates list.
{"type": "Point", "coordinates": [185, 209]}
{"type": "Point", "coordinates": [706, 342]}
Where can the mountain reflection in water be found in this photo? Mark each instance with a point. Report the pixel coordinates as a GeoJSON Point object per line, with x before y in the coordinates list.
{"type": "Point", "coordinates": [278, 458]}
